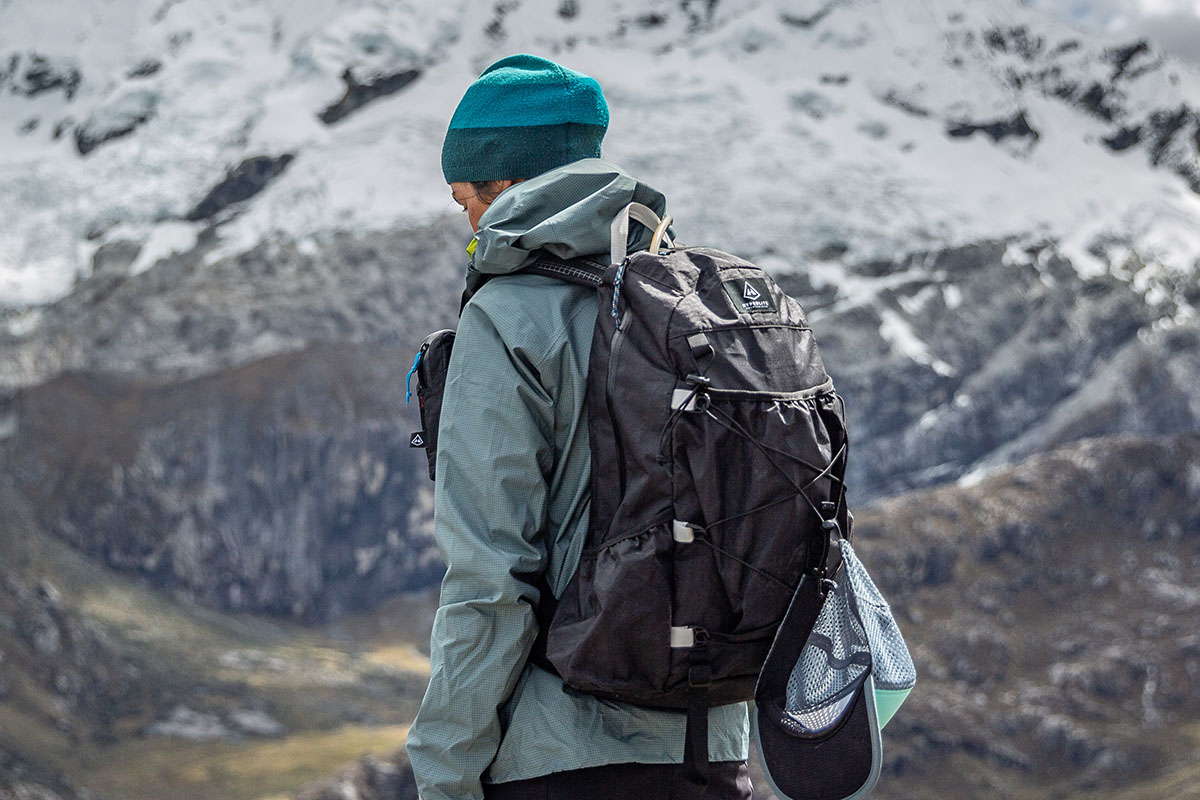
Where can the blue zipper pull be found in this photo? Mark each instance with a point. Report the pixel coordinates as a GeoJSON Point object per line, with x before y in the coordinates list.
{"type": "Point", "coordinates": [408, 378]}
{"type": "Point", "coordinates": [618, 279]}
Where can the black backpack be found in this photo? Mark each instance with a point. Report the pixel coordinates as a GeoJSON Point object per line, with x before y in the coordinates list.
{"type": "Point", "coordinates": [718, 454]}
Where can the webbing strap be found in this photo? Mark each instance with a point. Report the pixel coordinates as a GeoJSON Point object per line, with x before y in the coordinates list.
{"type": "Point", "coordinates": [695, 746]}
{"type": "Point", "coordinates": [619, 231]}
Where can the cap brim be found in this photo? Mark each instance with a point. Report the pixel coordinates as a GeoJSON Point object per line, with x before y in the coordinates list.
{"type": "Point", "coordinates": [842, 763]}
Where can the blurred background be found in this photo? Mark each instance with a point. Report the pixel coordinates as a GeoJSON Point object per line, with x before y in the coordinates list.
{"type": "Point", "coordinates": [223, 233]}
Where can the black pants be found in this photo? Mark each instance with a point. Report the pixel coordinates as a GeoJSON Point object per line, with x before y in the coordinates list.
{"type": "Point", "coordinates": [727, 780]}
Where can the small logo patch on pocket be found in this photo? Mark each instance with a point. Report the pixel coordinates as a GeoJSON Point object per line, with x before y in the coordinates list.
{"type": "Point", "coordinates": [750, 295]}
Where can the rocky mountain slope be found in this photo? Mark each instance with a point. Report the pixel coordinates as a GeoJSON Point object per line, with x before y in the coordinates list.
{"type": "Point", "coordinates": [1050, 610]}
{"type": "Point", "coordinates": [109, 689]}
{"type": "Point", "coordinates": [225, 233]}
{"type": "Point", "coordinates": [285, 486]}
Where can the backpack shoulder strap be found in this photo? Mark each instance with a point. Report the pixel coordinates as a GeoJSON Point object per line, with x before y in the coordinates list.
{"type": "Point", "coordinates": [584, 271]}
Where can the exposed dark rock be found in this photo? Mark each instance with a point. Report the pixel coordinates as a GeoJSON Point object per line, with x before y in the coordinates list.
{"type": "Point", "coordinates": [1062, 89]}
{"type": "Point", "coordinates": [651, 20]}
{"type": "Point", "coordinates": [1068, 46]}
{"type": "Point", "coordinates": [240, 183]}
{"type": "Point", "coordinates": [895, 100]}
{"type": "Point", "coordinates": [61, 127]}
{"type": "Point", "coordinates": [181, 318]}
{"type": "Point", "coordinates": [1099, 102]}
{"type": "Point", "coordinates": [1124, 138]}
{"type": "Point", "coordinates": [359, 94]}
{"type": "Point", "coordinates": [1064, 657]}
{"type": "Point", "coordinates": [43, 75]}
{"type": "Point", "coordinates": [1030, 672]}
{"type": "Point", "coordinates": [998, 130]}
{"type": "Point", "coordinates": [1122, 57]}
{"type": "Point", "coordinates": [1016, 39]}
{"type": "Point", "coordinates": [1162, 126]}
{"type": "Point", "coordinates": [114, 258]}
{"type": "Point", "coordinates": [66, 656]}
{"type": "Point", "coordinates": [177, 41]}
{"type": "Point", "coordinates": [144, 69]}
{"type": "Point", "coordinates": [370, 779]}
{"type": "Point", "coordinates": [88, 139]}
{"type": "Point", "coordinates": [699, 13]}
{"type": "Point", "coordinates": [495, 28]}
{"type": "Point", "coordinates": [568, 9]}
{"type": "Point", "coordinates": [832, 251]}
{"type": "Point", "coordinates": [21, 781]}
{"type": "Point", "coordinates": [1022, 348]}
{"type": "Point", "coordinates": [29, 126]}
{"type": "Point", "coordinates": [285, 486]}
{"type": "Point", "coordinates": [270, 488]}
{"type": "Point", "coordinates": [807, 21]}
{"type": "Point", "coordinates": [9, 69]}
{"type": "Point", "coordinates": [124, 116]}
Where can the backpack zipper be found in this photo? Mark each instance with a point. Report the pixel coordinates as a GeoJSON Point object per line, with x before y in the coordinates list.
{"type": "Point", "coordinates": [615, 350]}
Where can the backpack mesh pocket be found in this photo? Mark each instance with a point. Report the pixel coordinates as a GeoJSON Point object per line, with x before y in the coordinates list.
{"type": "Point", "coordinates": [893, 665]}
{"type": "Point", "coordinates": [854, 633]}
{"type": "Point", "coordinates": [832, 664]}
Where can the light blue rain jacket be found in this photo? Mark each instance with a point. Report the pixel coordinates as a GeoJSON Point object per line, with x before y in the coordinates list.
{"type": "Point", "coordinates": [512, 501]}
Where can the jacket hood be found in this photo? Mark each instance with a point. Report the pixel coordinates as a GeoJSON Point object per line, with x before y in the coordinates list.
{"type": "Point", "coordinates": [567, 211]}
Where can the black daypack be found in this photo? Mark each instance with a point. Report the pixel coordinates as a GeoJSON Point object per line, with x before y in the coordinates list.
{"type": "Point", "coordinates": [718, 453]}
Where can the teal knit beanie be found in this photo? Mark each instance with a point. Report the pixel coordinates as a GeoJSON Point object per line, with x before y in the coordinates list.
{"type": "Point", "coordinates": [524, 115]}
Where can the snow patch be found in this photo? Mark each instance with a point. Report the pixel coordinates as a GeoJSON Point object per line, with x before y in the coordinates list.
{"type": "Point", "coordinates": [917, 303]}
{"type": "Point", "coordinates": [898, 333]}
{"type": "Point", "coordinates": [166, 239]}
{"type": "Point", "coordinates": [23, 323]}
{"type": "Point", "coordinates": [975, 476]}
{"type": "Point", "coordinates": [952, 296]}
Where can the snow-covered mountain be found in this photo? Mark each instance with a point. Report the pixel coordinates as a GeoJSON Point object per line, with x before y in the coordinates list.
{"type": "Point", "coordinates": [824, 131]}
{"type": "Point", "coordinates": [225, 229]}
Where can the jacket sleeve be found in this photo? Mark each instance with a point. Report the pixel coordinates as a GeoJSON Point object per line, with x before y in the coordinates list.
{"type": "Point", "coordinates": [495, 449]}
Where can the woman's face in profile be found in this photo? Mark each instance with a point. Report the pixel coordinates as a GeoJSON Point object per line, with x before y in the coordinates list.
{"type": "Point", "coordinates": [472, 202]}
{"type": "Point", "coordinates": [465, 195]}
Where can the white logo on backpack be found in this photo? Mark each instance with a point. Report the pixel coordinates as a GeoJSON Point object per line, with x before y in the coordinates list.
{"type": "Point", "coordinates": [750, 293]}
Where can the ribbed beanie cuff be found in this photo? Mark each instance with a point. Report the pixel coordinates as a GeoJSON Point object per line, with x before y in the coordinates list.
{"type": "Point", "coordinates": [523, 116]}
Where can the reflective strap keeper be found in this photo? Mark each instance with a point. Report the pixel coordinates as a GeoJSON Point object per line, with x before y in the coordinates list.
{"type": "Point", "coordinates": [682, 531]}
{"type": "Point", "coordinates": [682, 636]}
{"type": "Point", "coordinates": [684, 399]}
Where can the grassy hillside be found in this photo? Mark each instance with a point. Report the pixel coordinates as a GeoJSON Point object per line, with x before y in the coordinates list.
{"type": "Point", "coordinates": [111, 686]}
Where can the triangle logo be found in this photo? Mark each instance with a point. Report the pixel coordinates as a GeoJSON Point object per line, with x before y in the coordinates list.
{"type": "Point", "coordinates": [417, 440]}
{"type": "Point", "coordinates": [749, 295]}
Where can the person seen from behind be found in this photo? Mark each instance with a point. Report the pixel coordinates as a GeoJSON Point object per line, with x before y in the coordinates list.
{"type": "Point", "coordinates": [522, 158]}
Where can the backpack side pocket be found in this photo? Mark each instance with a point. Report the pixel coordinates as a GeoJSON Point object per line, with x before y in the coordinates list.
{"type": "Point", "coordinates": [430, 367]}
